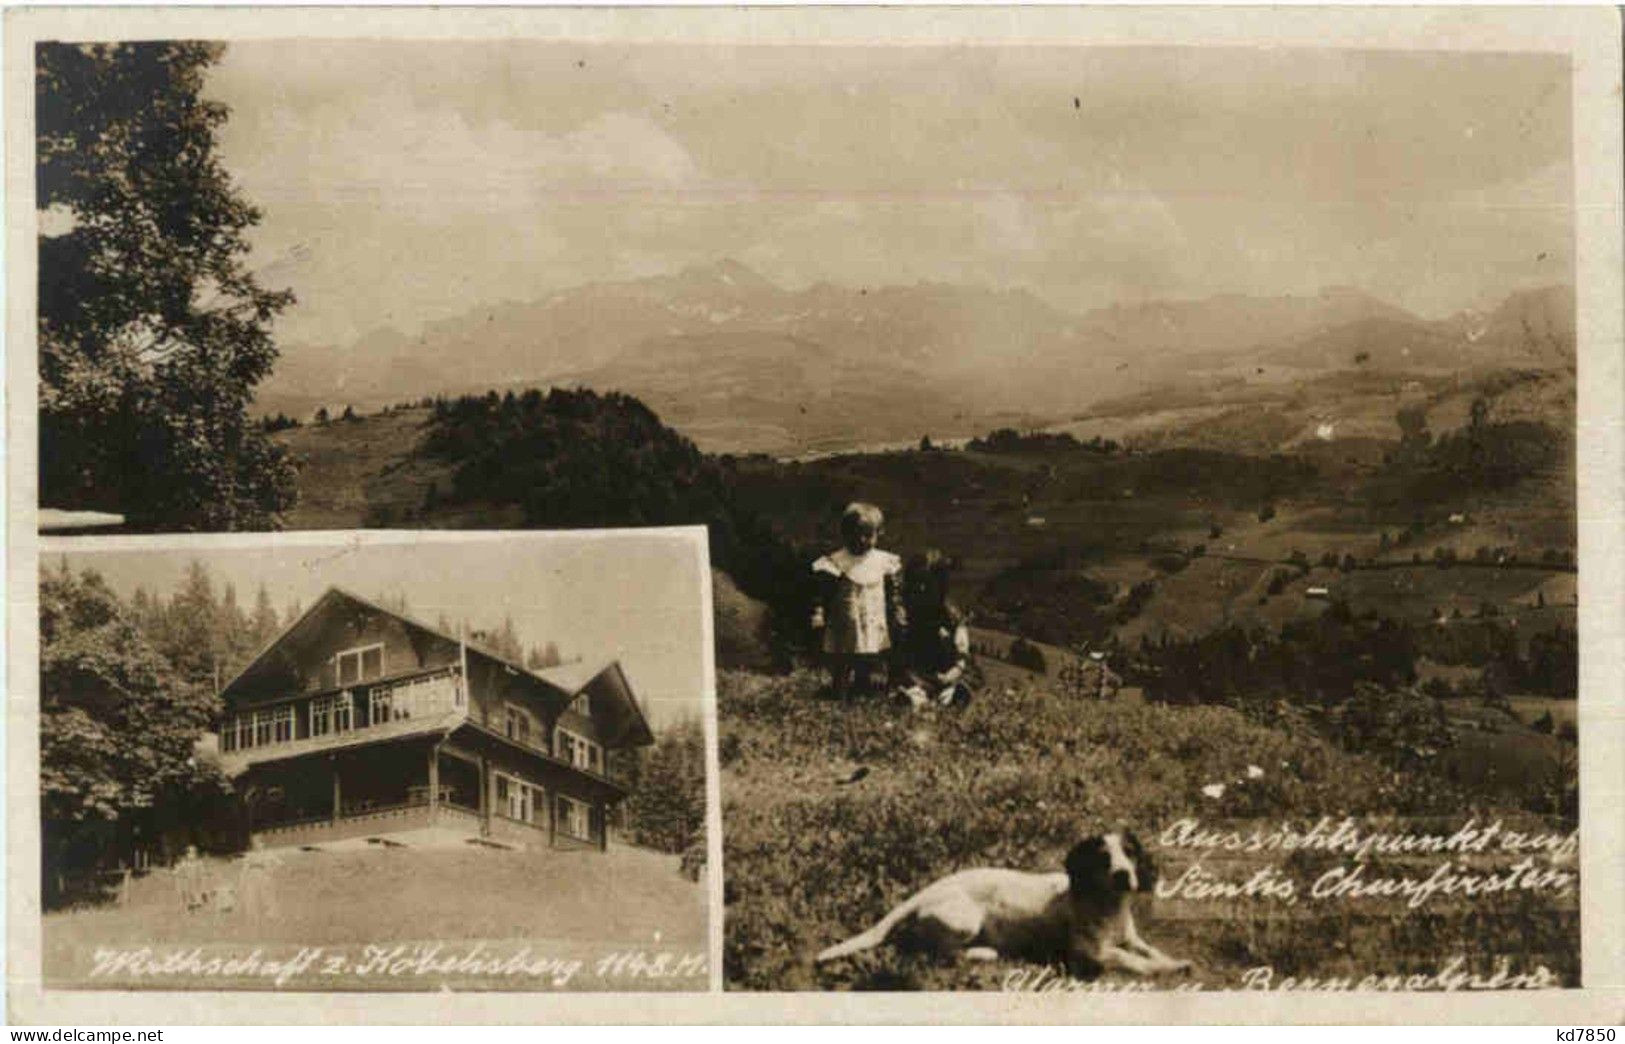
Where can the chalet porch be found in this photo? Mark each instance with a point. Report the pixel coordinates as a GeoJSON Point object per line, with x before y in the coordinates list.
{"type": "Point", "coordinates": [410, 825]}
{"type": "Point", "coordinates": [418, 792]}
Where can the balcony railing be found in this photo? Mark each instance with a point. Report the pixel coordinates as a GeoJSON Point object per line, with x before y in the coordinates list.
{"type": "Point", "coordinates": [363, 711]}
{"type": "Point", "coordinates": [448, 817]}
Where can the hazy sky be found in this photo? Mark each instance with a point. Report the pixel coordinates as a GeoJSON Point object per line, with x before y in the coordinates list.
{"type": "Point", "coordinates": [633, 597]}
{"type": "Point", "coordinates": [405, 181]}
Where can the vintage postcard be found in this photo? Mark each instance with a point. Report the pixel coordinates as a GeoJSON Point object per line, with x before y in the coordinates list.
{"type": "Point", "coordinates": [1147, 486]}
{"type": "Point", "coordinates": [380, 761]}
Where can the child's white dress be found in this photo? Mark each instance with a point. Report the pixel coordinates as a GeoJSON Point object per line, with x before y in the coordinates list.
{"type": "Point", "coordinates": [857, 603]}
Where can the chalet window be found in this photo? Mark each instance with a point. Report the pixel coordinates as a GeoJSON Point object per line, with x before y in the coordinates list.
{"type": "Point", "coordinates": [575, 818]}
{"type": "Point", "coordinates": [331, 714]}
{"type": "Point", "coordinates": [281, 724]}
{"type": "Point", "coordinates": [517, 799]}
{"type": "Point", "coordinates": [517, 723]}
{"type": "Point", "coordinates": [382, 708]}
{"type": "Point", "coordinates": [581, 705]}
{"type": "Point", "coordinates": [360, 664]}
{"type": "Point", "coordinates": [228, 735]}
{"type": "Point", "coordinates": [578, 750]}
{"type": "Point", "coordinates": [259, 728]}
{"type": "Point", "coordinates": [262, 728]}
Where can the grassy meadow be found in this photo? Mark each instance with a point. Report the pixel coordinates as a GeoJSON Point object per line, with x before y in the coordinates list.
{"type": "Point", "coordinates": [1019, 776]}
{"type": "Point", "coordinates": [562, 906]}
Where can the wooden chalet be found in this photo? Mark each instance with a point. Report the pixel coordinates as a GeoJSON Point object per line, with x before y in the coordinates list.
{"type": "Point", "coordinates": [359, 724]}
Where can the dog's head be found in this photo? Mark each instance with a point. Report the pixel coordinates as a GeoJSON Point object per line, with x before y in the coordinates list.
{"type": "Point", "coordinates": [1110, 864]}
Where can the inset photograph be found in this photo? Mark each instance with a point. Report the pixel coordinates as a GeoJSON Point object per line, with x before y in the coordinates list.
{"type": "Point", "coordinates": [391, 761]}
{"type": "Point", "coordinates": [1142, 480]}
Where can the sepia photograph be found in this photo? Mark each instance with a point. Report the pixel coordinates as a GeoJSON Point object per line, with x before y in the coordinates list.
{"type": "Point", "coordinates": [791, 502]}
{"type": "Point", "coordinates": [457, 764]}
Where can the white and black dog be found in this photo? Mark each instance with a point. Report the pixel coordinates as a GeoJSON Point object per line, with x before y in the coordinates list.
{"type": "Point", "coordinates": [1082, 915]}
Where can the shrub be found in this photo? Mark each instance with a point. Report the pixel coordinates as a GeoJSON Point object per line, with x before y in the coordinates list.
{"type": "Point", "coordinates": [1397, 725]}
{"type": "Point", "coordinates": [1170, 563]}
{"type": "Point", "coordinates": [1025, 654]}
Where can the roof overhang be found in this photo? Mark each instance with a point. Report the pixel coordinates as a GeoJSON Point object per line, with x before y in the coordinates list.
{"type": "Point", "coordinates": [615, 707]}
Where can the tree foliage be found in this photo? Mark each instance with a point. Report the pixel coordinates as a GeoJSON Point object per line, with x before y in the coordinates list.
{"type": "Point", "coordinates": [541, 657]}
{"type": "Point", "coordinates": [504, 641]}
{"type": "Point", "coordinates": [1484, 455]}
{"type": "Point", "coordinates": [118, 727]}
{"type": "Point", "coordinates": [1059, 606]}
{"type": "Point", "coordinates": [574, 457]}
{"type": "Point", "coordinates": [667, 808]}
{"type": "Point", "coordinates": [152, 330]}
{"type": "Point", "coordinates": [1398, 725]}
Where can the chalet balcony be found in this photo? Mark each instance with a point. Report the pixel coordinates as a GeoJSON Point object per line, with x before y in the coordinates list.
{"type": "Point", "coordinates": [389, 708]}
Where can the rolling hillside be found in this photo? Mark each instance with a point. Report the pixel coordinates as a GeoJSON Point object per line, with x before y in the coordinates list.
{"type": "Point", "coordinates": [1034, 529]}
{"type": "Point", "coordinates": [561, 905]}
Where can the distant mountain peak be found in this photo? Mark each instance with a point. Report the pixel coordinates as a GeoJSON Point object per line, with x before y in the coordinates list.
{"type": "Point", "coordinates": [728, 272]}
{"type": "Point", "coordinates": [738, 360]}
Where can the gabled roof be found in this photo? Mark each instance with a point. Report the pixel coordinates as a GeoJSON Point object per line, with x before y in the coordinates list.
{"type": "Point", "coordinates": [572, 676]}
{"type": "Point", "coordinates": [267, 659]}
{"type": "Point", "coordinates": [607, 681]}
{"type": "Point", "coordinates": [614, 703]}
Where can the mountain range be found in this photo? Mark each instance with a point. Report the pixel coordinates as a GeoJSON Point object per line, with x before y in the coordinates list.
{"type": "Point", "coordinates": [741, 364]}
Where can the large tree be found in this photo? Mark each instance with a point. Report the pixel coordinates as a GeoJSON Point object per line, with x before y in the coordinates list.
{"type": "Point", "coordinates": [153, 332]}
{"type": "Point", "coordinates": [119, 730]}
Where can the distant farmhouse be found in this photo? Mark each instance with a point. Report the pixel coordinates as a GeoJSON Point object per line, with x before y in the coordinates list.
{"type": "Point", "coordinates": [358, 725]}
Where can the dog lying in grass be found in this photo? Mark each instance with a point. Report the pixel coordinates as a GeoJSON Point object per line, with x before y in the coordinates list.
{"type": "Point", "coordinates": [1083, 915]}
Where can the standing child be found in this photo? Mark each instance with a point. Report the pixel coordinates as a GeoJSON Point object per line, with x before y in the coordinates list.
{"type": "Point", "coordinates": [188, 871]}
{"type": "Point", "coordinates": [859, 601]}
{"type": "Point", "coordinates": [259, 867]}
